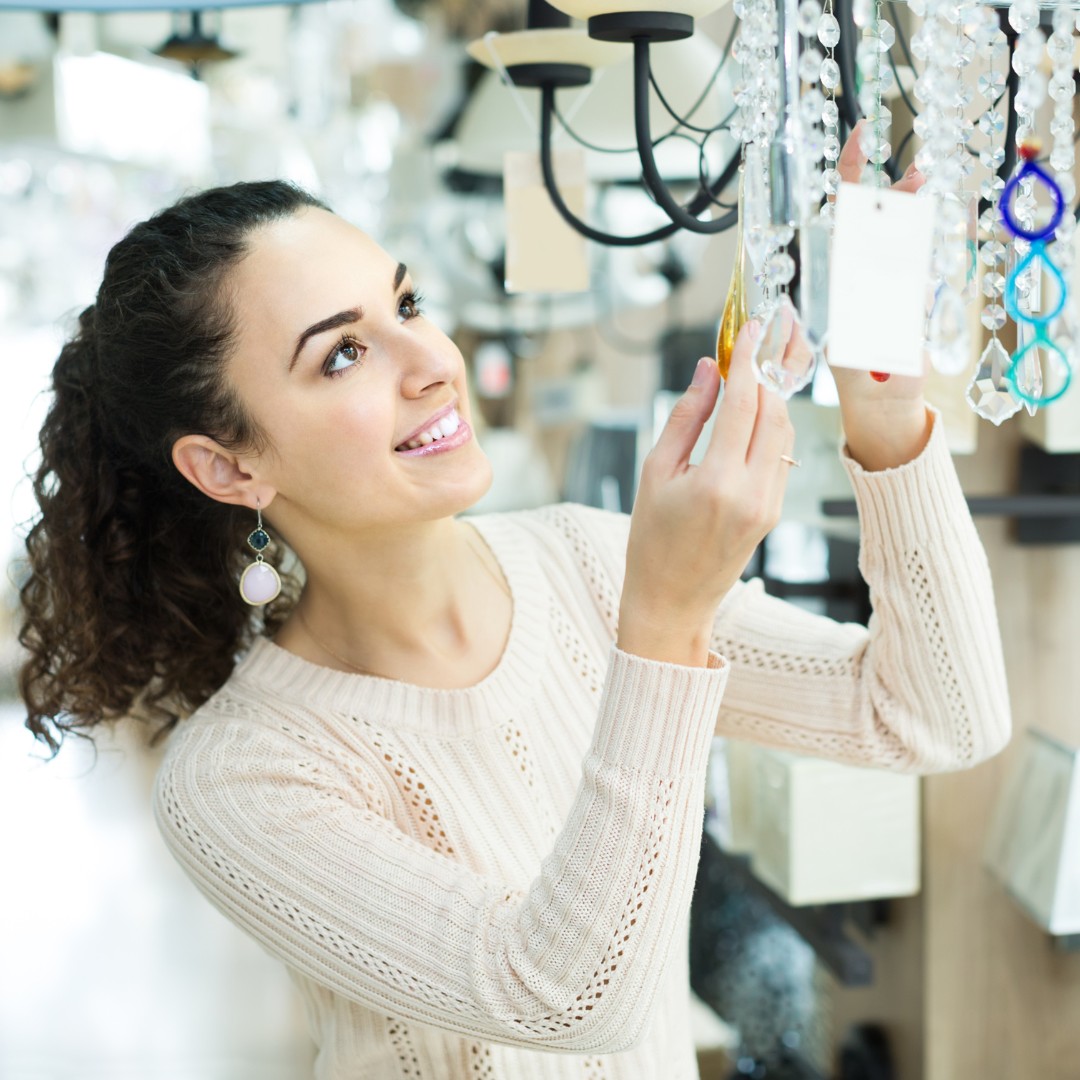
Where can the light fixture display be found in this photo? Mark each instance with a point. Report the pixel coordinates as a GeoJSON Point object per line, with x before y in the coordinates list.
{"type": "Point", "coordinates": [974, 78]}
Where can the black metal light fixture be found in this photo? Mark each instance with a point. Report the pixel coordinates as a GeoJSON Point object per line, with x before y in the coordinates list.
{"type": "Point", "coordinates": [549, 56]}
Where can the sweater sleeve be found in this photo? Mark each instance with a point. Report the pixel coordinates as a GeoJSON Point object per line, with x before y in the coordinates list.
{"type": "Point", "coordinates": [922, 689]}
{"type": "Point", "coordinates": [277, 835]}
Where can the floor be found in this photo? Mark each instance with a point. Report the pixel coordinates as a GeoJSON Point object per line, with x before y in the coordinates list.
{"type": "Point", "coordinates": [112, 965]}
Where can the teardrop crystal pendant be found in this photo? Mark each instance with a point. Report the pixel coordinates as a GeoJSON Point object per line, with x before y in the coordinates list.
{"type": "Point", "coordinates": [782, 358]}
{"type": "Point", "coordinates": [989, 393]}
{"type": "Point", "coordinates": [948, 336]}
{"type": "Point", "coordinates": [1040, 371]}
{"type": "Point", "coordinates": [814, 237]}
{"type": "Point", "coordinates": [259, 583]}
{"type": "Point", "coordinates": [735, 316]}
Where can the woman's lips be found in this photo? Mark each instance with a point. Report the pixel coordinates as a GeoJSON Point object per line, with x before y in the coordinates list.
{"type": "Point", "coordinates": [447, 442]}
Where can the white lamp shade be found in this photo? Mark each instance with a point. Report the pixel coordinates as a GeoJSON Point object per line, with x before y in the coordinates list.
{"type": "Point", "coordinates": [1033, 845]}
{"type": "Point", "coordinates": [560, 46]}
{"type": "Point", "coordinates": [586, 9]}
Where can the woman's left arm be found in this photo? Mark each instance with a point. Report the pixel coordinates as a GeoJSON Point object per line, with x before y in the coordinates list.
{"type": "Point", "coordinates": [922, 689]}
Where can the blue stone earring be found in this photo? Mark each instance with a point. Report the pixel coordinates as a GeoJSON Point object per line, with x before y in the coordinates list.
{"type": "Point", "coordinates": [259, 583]}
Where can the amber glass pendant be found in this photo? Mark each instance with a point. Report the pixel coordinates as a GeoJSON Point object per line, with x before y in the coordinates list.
{"type": "Point", "coordinates": [735, 316]}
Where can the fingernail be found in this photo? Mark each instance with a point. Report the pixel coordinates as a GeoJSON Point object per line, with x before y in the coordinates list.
{"type": "Point", "coordinates": [701, 372]}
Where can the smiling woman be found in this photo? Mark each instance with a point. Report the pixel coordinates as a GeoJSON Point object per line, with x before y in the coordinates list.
{"type": "Point", "coordinates": [452, 775]}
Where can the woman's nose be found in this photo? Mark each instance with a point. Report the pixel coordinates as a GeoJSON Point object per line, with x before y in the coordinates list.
{"type": "Point", "coordinates": [426, 360]}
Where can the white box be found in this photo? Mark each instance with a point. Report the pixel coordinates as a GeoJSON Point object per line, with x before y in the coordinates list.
{"type": "Point", "coordinates": [830, 833]}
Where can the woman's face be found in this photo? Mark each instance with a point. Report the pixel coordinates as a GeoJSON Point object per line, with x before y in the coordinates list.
{"type": "Point", "coordinates": [339, 367]}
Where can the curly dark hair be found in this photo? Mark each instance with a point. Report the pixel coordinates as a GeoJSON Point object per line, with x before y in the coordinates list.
{"type": "Point", "coordinates": [130, 605]}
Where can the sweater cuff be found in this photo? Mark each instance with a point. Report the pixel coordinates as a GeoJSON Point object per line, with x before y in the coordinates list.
{"type": "Point", "coordinates": [914, 502]}
{"type": "Point", "coordinates": [657, 717]}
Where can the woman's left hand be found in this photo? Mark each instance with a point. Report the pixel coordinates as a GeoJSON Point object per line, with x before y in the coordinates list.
{"type": "Point", "coordinates": [885, 423]}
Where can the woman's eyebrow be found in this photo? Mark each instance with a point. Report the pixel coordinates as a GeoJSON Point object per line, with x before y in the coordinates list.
{"type": "Point", "coordinates": [342, 318]}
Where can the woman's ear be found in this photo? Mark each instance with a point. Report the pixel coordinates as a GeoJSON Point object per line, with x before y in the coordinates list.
{"type": "Point", "coordinates": [217, 472]}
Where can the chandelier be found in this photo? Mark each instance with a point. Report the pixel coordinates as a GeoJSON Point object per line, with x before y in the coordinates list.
{"type": "Point", "coordinates": [988, 92]}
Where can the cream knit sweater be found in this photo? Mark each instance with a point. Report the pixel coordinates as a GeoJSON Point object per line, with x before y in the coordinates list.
{"type": "Point", "coordinates": [494, 883]}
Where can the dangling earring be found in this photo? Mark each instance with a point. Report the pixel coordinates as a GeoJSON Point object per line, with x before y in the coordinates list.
{"type": "Point", "coordinates": [259, 583]}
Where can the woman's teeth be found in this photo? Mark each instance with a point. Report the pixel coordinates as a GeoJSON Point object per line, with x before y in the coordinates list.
{"type": "Point", "coordinates": [446, 426]}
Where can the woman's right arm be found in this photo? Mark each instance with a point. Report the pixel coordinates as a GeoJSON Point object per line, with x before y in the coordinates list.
{"type": "Point", "coordinates": [279, 839]}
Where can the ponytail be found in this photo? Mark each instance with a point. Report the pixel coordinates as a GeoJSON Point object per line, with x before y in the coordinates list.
{"type": "Point", "coordinates": [130, 604]}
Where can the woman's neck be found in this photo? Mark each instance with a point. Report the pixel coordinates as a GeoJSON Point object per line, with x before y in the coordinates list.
{"type": "Point", "coordinates": [427, 605]}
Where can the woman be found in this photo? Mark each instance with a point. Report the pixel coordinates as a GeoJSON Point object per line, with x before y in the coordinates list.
{"type": "Point", "coordinates": [456, 782]}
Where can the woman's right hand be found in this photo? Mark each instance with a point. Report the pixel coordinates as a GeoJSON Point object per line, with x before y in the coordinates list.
{"type": "Point", "coordinates": [695, 527]}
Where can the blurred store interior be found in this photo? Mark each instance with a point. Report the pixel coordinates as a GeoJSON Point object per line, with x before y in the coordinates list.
{"type": "Point", "coordinates": [112, 967]}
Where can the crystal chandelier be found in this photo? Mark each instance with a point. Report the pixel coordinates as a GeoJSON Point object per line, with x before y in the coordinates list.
{"type": "Point", "coordinates": [979, 83]}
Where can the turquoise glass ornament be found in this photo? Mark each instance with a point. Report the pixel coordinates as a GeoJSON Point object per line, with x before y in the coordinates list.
{"type": "Point", "coordinates": [1037, 252]}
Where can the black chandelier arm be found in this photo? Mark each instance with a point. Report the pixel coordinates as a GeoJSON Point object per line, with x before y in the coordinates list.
{"type": "Point", "coordinates": [547, 111]}
{"type": "Point", "coordinates": [682, 217]}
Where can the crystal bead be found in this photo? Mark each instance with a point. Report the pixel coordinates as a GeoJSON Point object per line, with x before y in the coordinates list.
{"type": "Point", "coordinates": [831, 181]}
{"type": "Point", "coordinates": [991, 84]}
{"type": "Point", "coordinates": [1062, 126]}
{"type": "Point", "coordinates": [1059, 47]}
{"type": "Point", "coordinates": [1061, 89]}
{"type": "Point", "coordinates": [828, 31]}
{"type": "Point", "coordinates": [1031, 94]}
{"type": "Point", "coordinates": [992, 157]}
{"type": "Point", "coordinates": [989, 220]}
{"type": "Point", "coordinates": [886, 36]}
{"type": "Point", "coordinates": [830, 74]}
{"type": "Point", "coordinates": [779, 268]}
{"type": "Point", "coordinates": [991, 188]}
{"type": "Point", "coordinates": [1062, 157]}
{"type": "Point", "coordinates": [830, 113]}
{"type": "Point", "coordinates": [1023, 17]}
{"type": "Point", "coordinates": [989, 393]}
{"type": "Point", "coordinates": [809, 17]}
{"type": "Point", "coordinates": [810, 65]}
{"type": "Point", "coordinates": [991, 122]}
{"type": "Point", "coordinates": [993, 284]}
{"type": "Point", "coordinates": [831, 148]}
{"type": "Point", "coordinates": [862, 12]}
{"type": "Point", "coordinates": [1068, 188]}
{"type": "Point", "coordinates": [993, 317]}
{"type": "Point", "coordinates": [810, 105]}
{"type": "Point", "coordinates": [1030, 46]}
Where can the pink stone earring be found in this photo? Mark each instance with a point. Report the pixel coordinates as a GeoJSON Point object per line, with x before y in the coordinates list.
{"type": "Point", "coordinates": [259, 583]}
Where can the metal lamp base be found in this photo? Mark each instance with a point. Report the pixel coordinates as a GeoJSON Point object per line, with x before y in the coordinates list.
{"type": "Point", "coordinates": [641, 26]}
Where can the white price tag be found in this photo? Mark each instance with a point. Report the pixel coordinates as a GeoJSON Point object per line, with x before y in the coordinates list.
{"type": "Point", "coordinates": [878, 280]}
{"type": "Point", "coordinates": [543, 253]}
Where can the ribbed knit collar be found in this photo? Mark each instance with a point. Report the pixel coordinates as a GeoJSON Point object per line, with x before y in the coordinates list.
{"type": "Point", "coordinates": [269, 670]}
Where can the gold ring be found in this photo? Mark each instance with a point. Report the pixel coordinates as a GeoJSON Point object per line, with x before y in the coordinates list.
{"type": "Point", "coordinates": [791, 461]}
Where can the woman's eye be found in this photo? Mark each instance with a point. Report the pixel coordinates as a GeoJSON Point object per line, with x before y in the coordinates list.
{"type": "Point", "coordinates": [409, 306]}
{"type": "Point", "coordinates": [343, 357]}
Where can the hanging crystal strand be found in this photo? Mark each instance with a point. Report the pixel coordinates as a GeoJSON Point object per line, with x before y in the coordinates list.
{"type": "Point", "coordinates": [877, 78]}
{"type": "Point", "coordinates": [942, 158]}
{"type": "Point", "coordinates": [811, 106]}
{"type": "Point", "coordinates": [1030, 94]}
{"type": "Point", "coordinates": [989, 394]}
{"type": "Point", "coordinates": [828, 34]}
{"type": "Point", "coordinates": [1060, 47]}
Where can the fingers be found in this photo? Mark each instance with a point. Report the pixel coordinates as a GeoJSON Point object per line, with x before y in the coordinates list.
{"type": "Point", "coordinates": [911, 181]}
{"type": "Point", "coordinates": [852, 159]}
{"type": "Point", "coordinates": [737, 414]}
{"type": "Point", "coordinates": [683, 428]}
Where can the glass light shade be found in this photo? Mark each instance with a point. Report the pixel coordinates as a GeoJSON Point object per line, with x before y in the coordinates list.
{"type": "Point", "coordinates": [567, 46]}
{"type": "Point", "coordinates": [1033, 845]}
{"type": "Point", "coordinates": [108, 6]}
{"type": "Point", "coordinates": [586, 9]}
